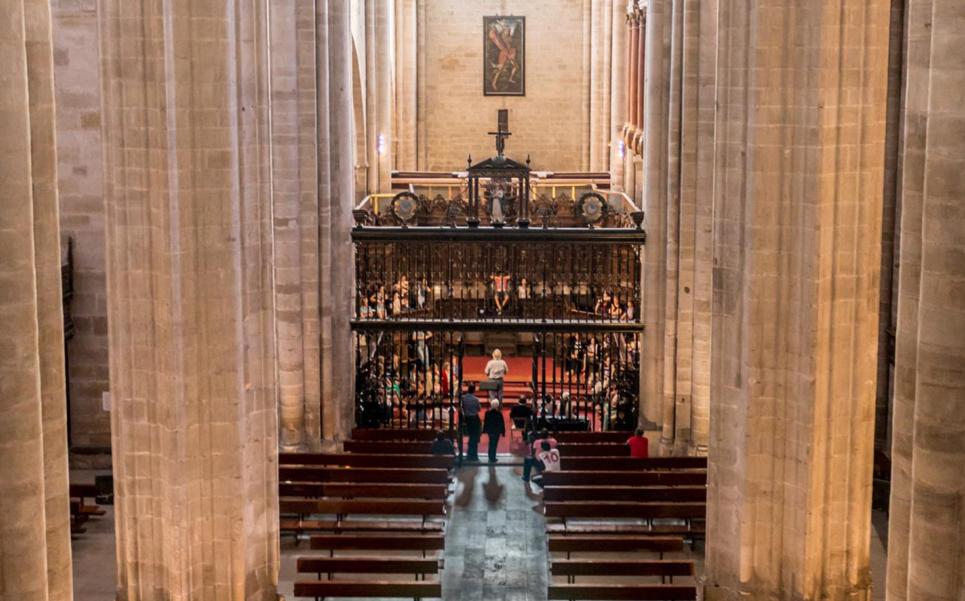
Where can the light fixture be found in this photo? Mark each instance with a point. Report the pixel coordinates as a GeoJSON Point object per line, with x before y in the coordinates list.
{"type": "Point", "coordinates": [621, 149]}
{"type": "Point", "coordinates": [380, 145]}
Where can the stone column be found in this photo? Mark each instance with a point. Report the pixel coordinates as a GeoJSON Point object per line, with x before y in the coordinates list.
{"type": "Point", "coordinates": [336, 196]}
{"type": "Point", "coordinates": [188, 199]}
{"type": "Point", "coordinates": [379, 92]}
{"type": "Point", "coordinates": [618, 92]}
{"type": "Point", "coordinates": [926, 536]}
{"type": "Point", "coordinates": [34, 515]}
{"type": "Point", "coordinates": [295, 221]}
{"type": "Point", "coordinates": [653, 180]}
{"type": "Point", "coordinates": [600, 107]}
{"type": "Point", "coordinates": [406, 78]}
{"type": "Point", "coordinates": [689, 150]}
{"type": "Point", "coordinates": [797, 211]}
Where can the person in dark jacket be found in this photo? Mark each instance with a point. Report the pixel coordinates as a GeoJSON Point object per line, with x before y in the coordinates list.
{"type": "Point", "coordinates": [494, 427]}
{"type": "Point", "coordinates": [442, 445]}
{"type": "Point", "coordinates": [471, 423]}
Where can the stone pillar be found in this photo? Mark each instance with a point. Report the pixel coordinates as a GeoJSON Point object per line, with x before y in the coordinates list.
{"type": "Point", "coordinates": [379, 92]}
{"type": "Point", "coordinates": [618, 91]}
{"type": "Point", "coordinates": [188, 199]}
{"type": "Point", "coordinates": [688, 217]}
{"type": "Point", "coordinates": [653, 180]}
{"type": "Point", "coordinates": [926, 536]}
{"type": "Point", "coordinates": [600, 41]}
{"type": "Point", "coordinates": [406, 78]}
{"type": "Point", "coordinates": [336, 196]}
{"type": "Point", "coordinates": [295, 221]}
{"type": "Point", "coordinates": [797, 211]}
{"type": "Point", "coordinates": [34, 514]}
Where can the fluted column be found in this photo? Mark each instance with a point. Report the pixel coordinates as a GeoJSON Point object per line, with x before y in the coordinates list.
{"type": "Point", "coordinates": [336, 197]}
{"type": "Point", "coordinates": [639, 104]}
{"type": "Point", "coordinates": [34, 514]}
{"type": "Point", "coordinates": [407, 80]}
{"type": "Point", "coordinates": [618, 92]}
{"type": "Point", "coordinates": [797, 211]}
{"type": "Point", "coordinates": [926, 539]}
{"type": "Point", "coordinates": [295, 221]}
{"type": "Point", "coordinates": [194, 421]}
{"type": "Point", "coordinates": [633, 85]}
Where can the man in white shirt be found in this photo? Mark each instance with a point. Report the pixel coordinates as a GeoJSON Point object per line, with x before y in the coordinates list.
{"type": "Point", "coordinates": [496, 370]}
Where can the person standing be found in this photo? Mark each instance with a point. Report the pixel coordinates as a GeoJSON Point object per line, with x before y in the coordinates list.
{"type": "Point", "coordinates": [494, 427]}
{"type": "Point", "coordinates": [470, 415]}
{"type": "Point", "coordinates": [496, 370]}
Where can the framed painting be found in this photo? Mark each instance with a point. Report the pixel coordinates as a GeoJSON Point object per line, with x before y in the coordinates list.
{"type": "Point", "coordinates": [504, 56]}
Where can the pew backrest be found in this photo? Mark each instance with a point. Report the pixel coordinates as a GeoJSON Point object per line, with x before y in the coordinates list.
{"type": "Point", "coordinates": [302, 473]}
{"type": "Point", "coordinates": [638, 494]}
{"type": "Point", "coordinates": [366, 460]}
{"type": "Point", "coordinates": [624, 510]}
{"type": "Point", "coordinates": [621, 463]}
{"type": "Point", "coordinates": [625, 478]}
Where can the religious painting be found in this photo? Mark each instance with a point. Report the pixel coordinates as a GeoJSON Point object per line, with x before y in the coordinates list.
{"type": "Point", "coordinates": [504, 56]}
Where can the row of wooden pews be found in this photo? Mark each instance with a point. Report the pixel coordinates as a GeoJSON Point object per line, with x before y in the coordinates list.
{"type": "Point", "coordinates": [620, 524]}
{"type": "Point", "coordinates": [378, 512]}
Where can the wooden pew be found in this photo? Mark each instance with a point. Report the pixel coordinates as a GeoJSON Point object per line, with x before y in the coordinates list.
{"type": "Point", "coordinates": [624, 510]}
{"type": "Point", "coordinates": [393, 434]}
{"type": "Point", "coordinates": [366, 565]}
{"type": "Point", "coordinates": [368, 588]}
{"type": "Point", "coordinates": [362, 475]}
{"type": "Point", "coordinates": [592, 437]}
{"type": "Point", "coordinates": [624, 478]}
{"type": "Point", "coordinates": [592, 449]}
{"type": "Point", "coordinates": [381, 542]}
{"type": "Point", "coordinates": [638, 494]}
{"type": "Point", "coordinates": [630, 463]}
{"type": "Point", "coordinates": [388, 447]}
{"type": "Point", "coordinates": [632, 592]}
{"type": "Point", "coordinates": [341, 507]}
{"type": "Point", "coordinates": [363, 460]}
{"type": "Point", "coordinates": [350, 490]}
{"type": "Point", "coordinates": [613, 544]}
{"type": "Point", "coordinates": [82, 491]}
{"type": "Point", "coordinates": [622, 567]}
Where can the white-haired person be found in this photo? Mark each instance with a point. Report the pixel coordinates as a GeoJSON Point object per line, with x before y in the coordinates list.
{"type": "Point", "coordinates": [494, 426]}
{"type": "Point", "coordinates": [496, 370]}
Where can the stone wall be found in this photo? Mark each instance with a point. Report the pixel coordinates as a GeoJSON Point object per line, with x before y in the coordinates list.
{"type": "Point", "coordinates": [80, 185]}
{"type": "Point", "coordinates": [551, 122]}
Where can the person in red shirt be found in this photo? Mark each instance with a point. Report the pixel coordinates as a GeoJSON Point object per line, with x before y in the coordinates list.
{"type": "Point", "coordinates": [638, 445]}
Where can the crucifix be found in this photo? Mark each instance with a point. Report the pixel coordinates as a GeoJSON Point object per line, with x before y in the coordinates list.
{"type": "Point", "coordinates": [502, 132]}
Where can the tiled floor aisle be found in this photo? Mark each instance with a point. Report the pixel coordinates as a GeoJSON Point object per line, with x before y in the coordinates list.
{"type": "Point", "coordinates": [495, 546]}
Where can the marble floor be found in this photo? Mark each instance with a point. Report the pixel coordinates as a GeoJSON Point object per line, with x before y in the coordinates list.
{"type": "Point", "coordinates": [495, 544]}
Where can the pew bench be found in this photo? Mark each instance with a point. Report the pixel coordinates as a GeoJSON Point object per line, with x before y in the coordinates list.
{"type": "Point", "coordinates": [388, 447]}
{"type": "Point", "coordinates": [630, 592]}
{"type": "Point", "coordinates": [624, 478]}
{"type": "Point", "coordinates": [366, 565]}
{"type": "Point", "coordinates": [422, 543]}
{"type": "Point", "coordinates": [367, 460]}
{"type": "Point", "coordinates": [297, 515]}
{"type": "Point", "coordinates": [626, 463]}
{"type": "Point", "coordinates": [393, 434]}
{"type": "Point", "coordinates": [368, 588]}
{"type": "Point", "coordinates": [639, 494]}
{"type": "Point", "coordinates": [351, 490]}
{"type": "Point", "coordinates": [309, 473]}
{"type": "Point", "coordinates": [664, 568]}
{"type": "Point", "coordinates": [613, 544]}
{"type": "Point", "coordinates": [592, 437]}
{"type": "Point", "coordinates": [593, 449]}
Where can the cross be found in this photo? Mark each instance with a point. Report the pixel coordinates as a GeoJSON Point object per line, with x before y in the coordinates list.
{"type": "Point", "coordinates": [502, 130]}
